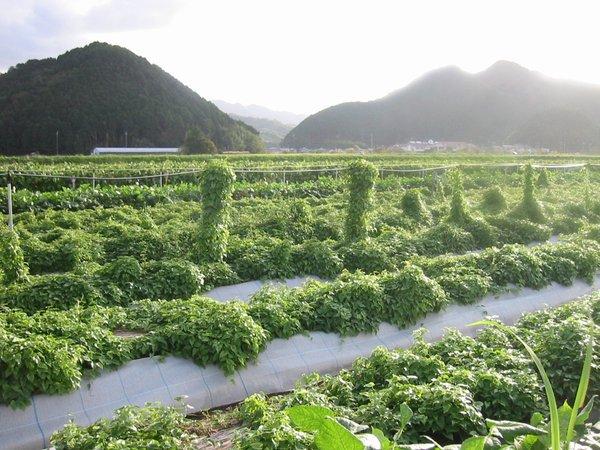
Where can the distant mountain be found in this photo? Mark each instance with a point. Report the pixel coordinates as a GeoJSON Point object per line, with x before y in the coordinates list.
{"type": "Point", "coordinates": [94, 94]}
{"type": "Point", "coordinates": [504, 104]}
{"type": "Point", "coordinates": [271, 132]}
{"type": "Point", "coordinates": [260, 112]}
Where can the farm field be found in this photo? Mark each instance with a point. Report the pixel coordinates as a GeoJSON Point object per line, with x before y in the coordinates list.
{"type": "Point", "coordinates": [101, 272]}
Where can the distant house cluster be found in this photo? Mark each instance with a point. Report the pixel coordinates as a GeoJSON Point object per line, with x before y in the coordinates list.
{"type": "Point", "coordinates": [431, 145]}
{"type": "Point", "coordinates": [134, 150]}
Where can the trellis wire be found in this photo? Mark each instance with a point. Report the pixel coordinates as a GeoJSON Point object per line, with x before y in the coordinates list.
{"type": "Point", "coordinates": [335, 170]}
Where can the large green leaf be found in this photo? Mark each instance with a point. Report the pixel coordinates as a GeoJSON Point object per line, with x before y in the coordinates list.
{"type": "Point", "coordinates": [309, 418]}
{"type": "Point", "coordinates": [333, 436]}
{"type": "Point", "coordinates": [509, 430]}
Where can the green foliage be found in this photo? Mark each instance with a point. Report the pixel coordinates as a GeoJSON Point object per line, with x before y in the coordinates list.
{"type": "Point", "coordinates": [110, 91]}
{"type": "Point", "coordinates": [59, 291]}
{"type": "Point", "coordinates": [133, 427]}
{"type": "Point", "coordinates": [281, 312]}
{"type": "Point", "coordinates": [12, 262]}
{"type": "Point", "coordinates": [35, 364]}
{"type": "Point", "coordinates": [529, 207]}
{"type": "Point", "coordinates": [367, 255]}
{"type": "Point", "coordinates": [314, 257]}
{"type": "Point", "coordinates": [201, 329]}
{"type": "Point", "coordinates": [458, 206]}
{"type": "Point", "coordinates": [362, 176]}
{"type": "Point", "coordinates": [493, 200]}
{"type": "Point", "coordinates": [464, 284]}
{"type": "Point", "coordinates": [350, 304]}
{"type": "Point", "coordinates": [217, 187]}
{"type": "Point", "coordinates": [171, 279]}
{"type": "Point", "coordinates": [410, 295]}
{"type": "Point", "coordinates": [543, 180]}
{"type": "Point", "coordinates": [196, 142]}
{"type": "Point", "coordinates": [414, 207]}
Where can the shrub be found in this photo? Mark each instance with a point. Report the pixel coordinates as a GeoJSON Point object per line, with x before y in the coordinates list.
{"type": "Point", "coordinates": [458, 206]}
{"type": "Point", "coordinates": [35, 364]}
{"type": "Point", "coordinates": [484, 234]}
{"type": "Point", "coordinates": [218, 274]}
{"type": "Point", "coordinates": [543, 180]}
{"type": "Point", "coordinates": [517, 231]}
{"type": "Point", "coordinates": [464, 284]}
{"type": "Point", "coordinates": [263, 257]}
{"type": "Point", "coordinates": [410, 295]}
{"type": "Point", "coordinates": [124, 271]}
{"type": "Point", "coordinates": [217, 188]}
{"type": "Point", "coordinates": [414, 207]}
{"type": "Point", "coordinates": [12, 261]}
{"type": "Point", "coordinates": [280, 311]}
{"type": "Point", "coordinates": [444, 238]}
{"type": "Point", "coordinates": [64, 251]}
{"type": "Point", "coordinates": [316, 258]}
{"type": "Point", "coordinates": [562, 224]}
{"type": "Point", "coordinates": [493, 200]}
{"type": "Point", "coordinates": [170, 279]}
{"type": "Point", "coordinates": [529, 208]}
{"type": "Point", "coordinates": [360, 187]}
{"type": "Point", "coordinates": [441, 410]}
{"type": "Point", "coordinates": [133, 427]}
{"type": "Point", "coordinates": [142, 244]}
{"type": "Point", "coordinates": [351, 304]}
{"type": "Point", "coordinates": [61, 291]}
{"type": "Point", "coordinates": [382, 364]}
{"type": "Point", "coordinates": [368, 256]}
{"type": "Point", "coordinates": [201, 329]}
{"type": "Point", "coordinates": [513, 264]}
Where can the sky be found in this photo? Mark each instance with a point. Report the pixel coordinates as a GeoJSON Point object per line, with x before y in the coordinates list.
{"type": "Point", "coordinates": [305, 55]}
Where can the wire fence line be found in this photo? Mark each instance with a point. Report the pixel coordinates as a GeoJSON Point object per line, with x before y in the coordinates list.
{"type": "Point", "coordinates": [335, 170]}
{"type": "Point", "coordinates": [161, 176]}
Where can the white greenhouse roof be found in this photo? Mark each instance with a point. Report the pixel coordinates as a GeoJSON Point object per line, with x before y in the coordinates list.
{"type": "Point", "coordinates": [104, 150]}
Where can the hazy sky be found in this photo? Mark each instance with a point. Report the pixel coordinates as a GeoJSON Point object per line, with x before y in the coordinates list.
{"type": "Point", "coordinates": [304, 55]}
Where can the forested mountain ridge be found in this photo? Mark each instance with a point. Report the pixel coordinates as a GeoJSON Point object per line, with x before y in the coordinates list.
{"type": "Point", "coordinates": [260, 112]}
{"type": "Point", "coordinates": [271, 131]}
{"type": "Point", "coordinates": [94, 94]}
{"type": "Point", "coordinates": [505, 104]}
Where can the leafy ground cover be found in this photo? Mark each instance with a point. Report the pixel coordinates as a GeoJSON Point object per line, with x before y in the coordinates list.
{"type": "Point", "coordinates": [80, 340]}
{"type": "Point", "coordinates": [444, 390]}
{"type": "Point", "coordinates": [85, 265]}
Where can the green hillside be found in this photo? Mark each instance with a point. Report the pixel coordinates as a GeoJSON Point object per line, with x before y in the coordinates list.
{"type": "Point", "coordinates": [271, 131]}
{"type": "Point", "coordinates": [504, 104]}
{"type": "Point", "coordinates": [93, 95]}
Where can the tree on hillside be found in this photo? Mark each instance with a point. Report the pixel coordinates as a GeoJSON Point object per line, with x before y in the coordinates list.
{"type": "Point", "coordinates": [197, 142]}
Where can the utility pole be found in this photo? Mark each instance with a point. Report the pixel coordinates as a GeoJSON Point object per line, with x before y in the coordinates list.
{"type": "Point", "coordinates": [57, 142]}
{"type": "Point", "coordinates": [126, 139]}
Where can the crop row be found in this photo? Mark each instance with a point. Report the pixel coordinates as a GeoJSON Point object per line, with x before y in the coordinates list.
{"type": "Point", "coordinates": [451, 386]}
{"type": "Point", "coordinates": [50, 350]}
{"type": "Point", "coordinates": [121, 171]}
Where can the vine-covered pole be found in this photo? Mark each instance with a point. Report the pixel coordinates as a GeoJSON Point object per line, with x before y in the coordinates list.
{"type": "Point", "coordinates": [362, 176]}
{"type": "Point", "coordinates": [217, 189]}
{"type": "Point", "coordinates": [9, 199]}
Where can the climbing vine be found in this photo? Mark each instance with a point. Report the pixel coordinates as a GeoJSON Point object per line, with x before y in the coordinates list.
{"type": "Point", "coordinates": [529, 207]}
{"type": "Point", "coordinates": [217, 188]}
{"type": "Point", "coordinates": [360, 185]}
{"type": "Point", "coordinates": [12, 260]}
{"type": "Point", "coordinates": [458, 206]}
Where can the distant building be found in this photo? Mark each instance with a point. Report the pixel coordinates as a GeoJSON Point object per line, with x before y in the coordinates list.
{"type": "Point", "coordinates": [134, 150]}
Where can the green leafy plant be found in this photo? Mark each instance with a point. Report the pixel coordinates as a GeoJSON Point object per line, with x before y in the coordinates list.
{"type": "Point", "coordinates": [362, 176]}
{"type": "Point", "coordinates": [217, 188]}
{"type": "Point", "coordinates": [558, 439]}
{"type": "Point", "coordinates": [12, 261]}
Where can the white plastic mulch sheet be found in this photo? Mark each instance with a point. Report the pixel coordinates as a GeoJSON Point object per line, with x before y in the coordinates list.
{"type": "Point", "coordinates": [276, 370]}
